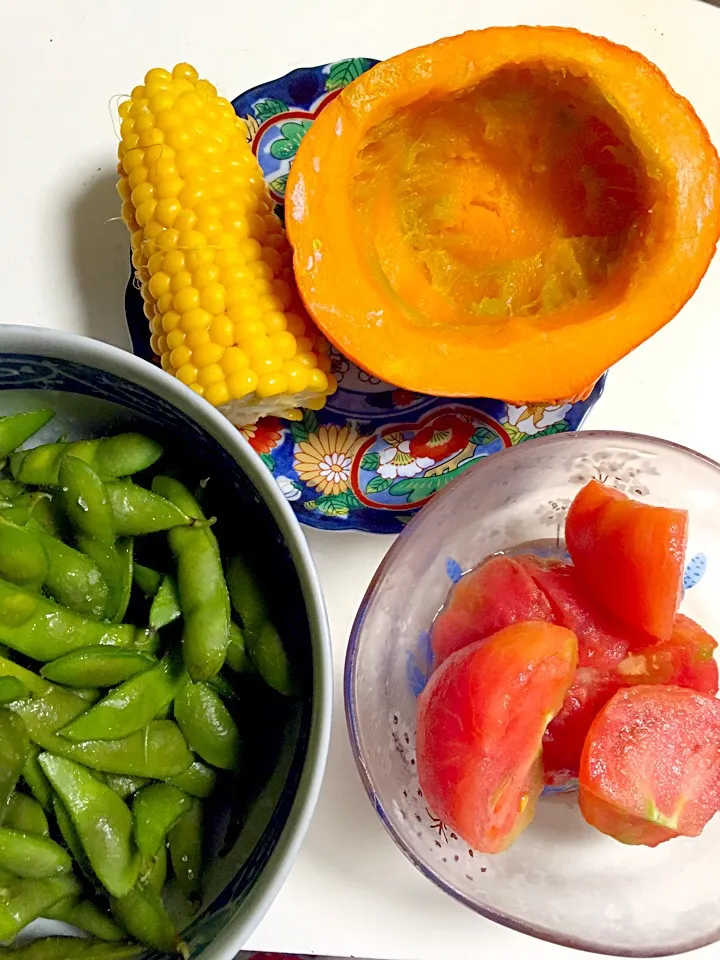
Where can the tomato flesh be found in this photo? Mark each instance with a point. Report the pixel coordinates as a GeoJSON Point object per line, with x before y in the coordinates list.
{"type": "Point", "coordinates": [630, 556]}
{"type": "Point", "coordinates": [480, 723]}
{"type": "Point", "coordinates": [685, 660]}
{"type": "Point", "coordinates": [650, 768]}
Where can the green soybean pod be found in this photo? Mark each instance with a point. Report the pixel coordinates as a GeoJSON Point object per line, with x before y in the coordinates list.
{"type": "Point", "coordinates": [73, 578]}
{"type": "Point", "coordinates": [98, 666]}
{"type": "Point", "coordinates": [26, 814]}
{"type": "Point", "coordinates": [14, 751]}
{"type": "Point", "coordinates": [24, 900]}
{"type": "Point", "coordinates": [44, 630]}
{"type": "Point", "coordinates": [32, 855]}
{"type": "Point", "coordinates": [102, 821]}
{"type": "Point", "coordinates": [147, 579]}
{"type": "Point", "coordinates": [155, 873]}
{"type": "Point", "coordinates": [37, 782]}
{"type": "Point", "coordinates": [130, 706]}
{"type": "Point", "coordinates": [237, 657]}
{"type": "Point", "coordinates": [12, 689]}
{"type": "Point", "coordinates": [17, 428]}
{"type": "Point", "coordinates": [110, 457]}
{"type": "Point", "coordinates": [142, 913]}
{"type": "Point", "coordinates": [87, 916]}
{"type": "Point", "coordinates": [166, 604]}
{"type": "Point", "coordinates": [207, 725]}
{"type": "Point", "coordinates": [186, 847]}
{"type": "Point", "coordinates": [156, 809]}
{"type": "Point", "coordinates": [203, 593]}
{"type": "Point", "coordinates": [113, 565]}
{"type": "Point", "coordinates": [70, 948]}
{"type": "Point", "coordinates": [125, 786]}
{"type": "Point", "coordinates": [137, 511]}
{"type": "Point", "coordinates": [198, 780]}
{"type": "Point", "coordinates": [159, 751]}
{"type": "Point", "coordinates": [85, 499]}
{"type": "Point", "coordinates": [23, 559]}
{"type": "Point", "coordinates": [71, 838]}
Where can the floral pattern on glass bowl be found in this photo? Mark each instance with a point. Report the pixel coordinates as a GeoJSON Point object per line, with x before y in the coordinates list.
{"type": "Point", "coordinates": [376, 453]}
{"type": "Point", "coordinates": [561, 880]}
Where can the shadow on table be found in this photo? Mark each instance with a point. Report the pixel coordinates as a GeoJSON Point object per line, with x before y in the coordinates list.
{"type": "Point", "coordinates": [98, 252]}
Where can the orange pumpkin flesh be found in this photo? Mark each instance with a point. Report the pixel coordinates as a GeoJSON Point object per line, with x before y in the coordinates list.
{"type": "Point", "coordinates": [505, 213]}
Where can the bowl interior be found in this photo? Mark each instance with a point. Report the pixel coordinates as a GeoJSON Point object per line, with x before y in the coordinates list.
{"type": "Point", "coordinates": [561, 880]}
{"type": "Point", "coordinates": [247, 820]}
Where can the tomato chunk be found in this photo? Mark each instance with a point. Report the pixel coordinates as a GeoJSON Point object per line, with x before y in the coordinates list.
{"type": "Point", "coordinates": [630, 556]}
{"type": "Point", "coordinates": [685, 660]}
{"type": "Point", "coordinates": [496, 594]}
{"type": "Point", "coordinates": [480, 724]}
{"type": "Point", "coordinates": [650, 768]}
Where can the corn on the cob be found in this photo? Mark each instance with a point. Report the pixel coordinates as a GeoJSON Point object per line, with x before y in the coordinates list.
{"type": "Point", "coordinates": [214, 266]}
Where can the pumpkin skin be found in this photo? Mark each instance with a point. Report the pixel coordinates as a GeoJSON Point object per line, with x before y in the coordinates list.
{"type": "Point", "coordinates": [504, 213]}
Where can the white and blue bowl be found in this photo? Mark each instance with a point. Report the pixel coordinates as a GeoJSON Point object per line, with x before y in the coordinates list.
{"type": "Point", "coordinates": [94, 389]}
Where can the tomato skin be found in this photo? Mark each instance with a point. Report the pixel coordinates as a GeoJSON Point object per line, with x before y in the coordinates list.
{"type": "Point", "coordinates": [630, 556]}
{"type": "Point", "coordinates": [480, 724]}
{"type": "Point", "coordinates": [496, 594]}
{"type": "Point", "coordinates": [650, 767]}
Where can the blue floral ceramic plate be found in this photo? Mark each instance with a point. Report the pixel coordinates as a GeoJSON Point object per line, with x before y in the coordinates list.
{"type": "Point", "coordinates": [375, 454]}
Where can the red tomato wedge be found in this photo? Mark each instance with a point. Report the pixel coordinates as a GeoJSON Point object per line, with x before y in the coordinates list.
{"type": "Point", "coordinates": [650, 768]}
{"type": "Point", "coordinates": [629, 555]}
{"type": "Point", "coordinates": [602, 646]}
{"type": "Point", "coordinates": [496, 594]}
{"type": "Point", "coordinates": [685, 660]}
{"type": "Point", "coordinates": [480, 724]}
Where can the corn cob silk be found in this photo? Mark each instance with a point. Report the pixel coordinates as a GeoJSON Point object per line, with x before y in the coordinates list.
{"type": "Point", "coordinates": [210, 254]}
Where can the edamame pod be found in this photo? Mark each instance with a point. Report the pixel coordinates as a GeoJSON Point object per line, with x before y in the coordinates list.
{"type": "Point", "coordinates": [125, 786]}
{"type": "Point", "coordinates": [17, 428]}
{"type": "Point", "coordinates": [198, 780]}
{"type": "Point", "coordinates": [69, 948]}
{"type": "Point", "coordinates": [143, 915]}
{"type": "Point", "coordinates": [23, 900]}
{"type": "Point", "coordinates": [131, 705]}
{"type": "Point", "coordinates": [137, 511]}
{"type": "Point", "coordinates": [73, 578]}
{"type": "Point", "coordinates": [85, 499]}
{"type": "Point", "coordinates": [71, 839]}
{"type": "Point", "coordinates": [110, 457]}
{"type": "Point", "coordinates": [23, 559]}
{"type": "Point", "coordinates": [186, 843]}
{"type": "Point", "coordinates": [97, 667]}
{"type": "Point", "coordinates": [37, 782]}
{"type": "Point", "coordinates": [156, 873]}
{"type": "Point", "coordinates": [201, 584]}
{"type": "Point", "coordinates": [11, 689]}
{"type": "Point", "coordinates": [262, 640]}
{"type": "Point", "coordinates": [147, 579]}
{"type": "Point", "coordinates": [156, 809]}
{"type": "Point", "coordinates": [14, 751]}
{"type": "Point", "coordinates": [44, 630]}
{"type": "Point", "coordinates": [207, 725]}
{"type": "Point", "coordinates": [102, 821]}
{"type": "Point", "coordinates": [87, 916]}
{"type": "Point", "coordinates": [166, 605]}
{"type": "Point", "coordinates": [32, 855]}
{"type": "Point", "coordinates": [237, 657]}
{"type": "Point", "coordinates": [27, 815]}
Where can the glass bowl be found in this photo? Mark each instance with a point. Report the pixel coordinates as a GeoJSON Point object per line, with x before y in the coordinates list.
{"type": "Point", "coordinates": [255, 829]}
{"type": "Point", "coordinates": [561, 880]}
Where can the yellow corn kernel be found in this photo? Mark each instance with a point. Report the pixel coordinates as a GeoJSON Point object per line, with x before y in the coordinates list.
{"type": "Point", "coordinates": [214, 263]}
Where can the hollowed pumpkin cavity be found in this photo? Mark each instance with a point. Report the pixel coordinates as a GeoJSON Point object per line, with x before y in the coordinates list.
{"type": "Point", "coordinates": [515, 198]}
{"type": "Point", "coordinates": [504, 213]}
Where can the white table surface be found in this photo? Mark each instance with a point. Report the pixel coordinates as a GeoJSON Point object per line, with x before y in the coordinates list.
{"type": "Point", "coordinates": [63, 263]}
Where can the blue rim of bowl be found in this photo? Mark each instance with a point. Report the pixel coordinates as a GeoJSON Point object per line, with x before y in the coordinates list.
{"type": "Point", "coordinates": [54, 344]}
{"type": "Point", "coordinates": [349, 673]}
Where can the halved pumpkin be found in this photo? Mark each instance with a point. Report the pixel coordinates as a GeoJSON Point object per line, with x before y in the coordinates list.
{"type": "Point", "coordinates": [504, 213]}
